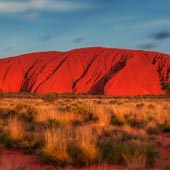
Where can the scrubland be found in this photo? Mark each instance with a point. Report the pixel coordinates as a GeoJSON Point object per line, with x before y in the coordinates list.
{"type": "Point", "coordinates": [84, 131]}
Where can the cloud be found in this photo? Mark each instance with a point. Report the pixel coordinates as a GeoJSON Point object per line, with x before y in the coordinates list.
{"type": "Point", "coordinates": [31, 16]}
{"type": "Point", "coordinates": [55, 5]}
{"type": "Point", "coordinates": [160, 35]}
{"type": "Point", "coordinates": [46, 38]}
{"type": "Point", "coordinates": [160, 22]}
{"type": "Point", "coordinates": [147, 46]}
{"type": "Point", "coordinates": [78, 40]}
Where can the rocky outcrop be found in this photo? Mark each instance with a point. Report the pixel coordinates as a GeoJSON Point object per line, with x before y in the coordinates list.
{"type": "Point", "coordinates": [95, 70]}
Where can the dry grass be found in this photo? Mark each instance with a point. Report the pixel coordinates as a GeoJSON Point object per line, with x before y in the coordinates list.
{"type": "Point", "coordinates": [103, 115]}
{"type": "Point", "coordinates": [15, 129]}
{"type": "Point", "coordinates": [55, 143]}
{"type": "Point", "coordinates": [140, 117]}
{"type": "Point", "coordinates": [57, 139]}
{"type": "Point", "coordinates": [51, 113]}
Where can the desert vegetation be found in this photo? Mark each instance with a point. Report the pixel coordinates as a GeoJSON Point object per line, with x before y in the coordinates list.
{"type": "Point", "coordinates": [82, 131]}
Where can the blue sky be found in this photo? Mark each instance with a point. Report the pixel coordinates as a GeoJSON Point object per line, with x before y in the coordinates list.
{"type": "Point", "coordinates": [44, 25]}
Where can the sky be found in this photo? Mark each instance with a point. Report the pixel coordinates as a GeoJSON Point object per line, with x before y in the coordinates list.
{"type": "Point", "coordinates": [61, 25]}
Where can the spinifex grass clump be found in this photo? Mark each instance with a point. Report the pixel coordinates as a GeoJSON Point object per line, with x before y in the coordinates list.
{"type": "Point", "coordinates": [67, 145]}
{"type": "Point", "coordinates": [116, 121]}
{"type": "Point", "coordinates": [140, 152]}
{"type": "Point", "coordinates": [15, 129]}
{"type": "Point", "coordinates": [55, 146]}
{"type": "Point", "coordinates": [111, 153]}
{"type": "Point", "coordinates": [134, 154]}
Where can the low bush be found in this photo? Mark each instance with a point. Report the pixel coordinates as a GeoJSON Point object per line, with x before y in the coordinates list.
{"type": "Point", "coordinates": [111, 153]}
{"type": "Point", "coordinates": [5, 141]}
{"type": "Point", "coordinates": [136, 122]}
{"type": "Point", "coordinates": [140, 148]}
{"type": "Point", "coordinates": [81, 155]}
{"type": "Point", "coordinates": [116, 121]}
{"type": "Point", "coordinates": [76, 154]}
{"type": "Point", "coordinates": [50, 97]}
{"type": "Point", "coordinates": [91, 117]}
{"type": "Point", "coordinates": [129, 152]}
{"type": "Point", "coordinates": [74, 108]}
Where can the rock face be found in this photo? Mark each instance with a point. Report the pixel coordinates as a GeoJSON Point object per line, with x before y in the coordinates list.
{"type": "Point", "coordinates": [96, 70]}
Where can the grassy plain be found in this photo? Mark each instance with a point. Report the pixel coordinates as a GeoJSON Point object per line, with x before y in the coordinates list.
{"type": "Point", "coordinates": [83, 130]}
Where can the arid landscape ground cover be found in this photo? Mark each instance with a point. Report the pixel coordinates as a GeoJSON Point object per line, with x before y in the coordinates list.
{"type": "Point", "coordinates": [84, 131]}
{"type": "Point", "coordinates": [84, 85]}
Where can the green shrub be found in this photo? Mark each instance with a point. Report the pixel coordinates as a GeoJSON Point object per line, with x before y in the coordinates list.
{"type": "Point", "coordinates": [114, 153]}
{"type": "Point", "coordinates": [151, 155]}
{"type": "Point", "coordinates": [116, 121]}
{"type": "Point", "coordinates": [111, 153]}
{"type": "Point", "coordinates": [91, 117]}
{"type": "Point", "coordinates": [81, 155]}
{"type": "Point", "coordinates": [142, 148]}
{"type": "Point", "coordinates": [74, 108]}
{"type": "Point", "coordinates": [76, 154]}
{"type": "Point", "coordinates": [133, 121]}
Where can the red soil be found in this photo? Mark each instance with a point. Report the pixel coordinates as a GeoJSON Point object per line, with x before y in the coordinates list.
{"type": "Point", "coordinates": [96, 70]}
{"type": "Point", "coordinates": [17, 160]}
{"type": "Point", "coordinates": [164, 150]}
